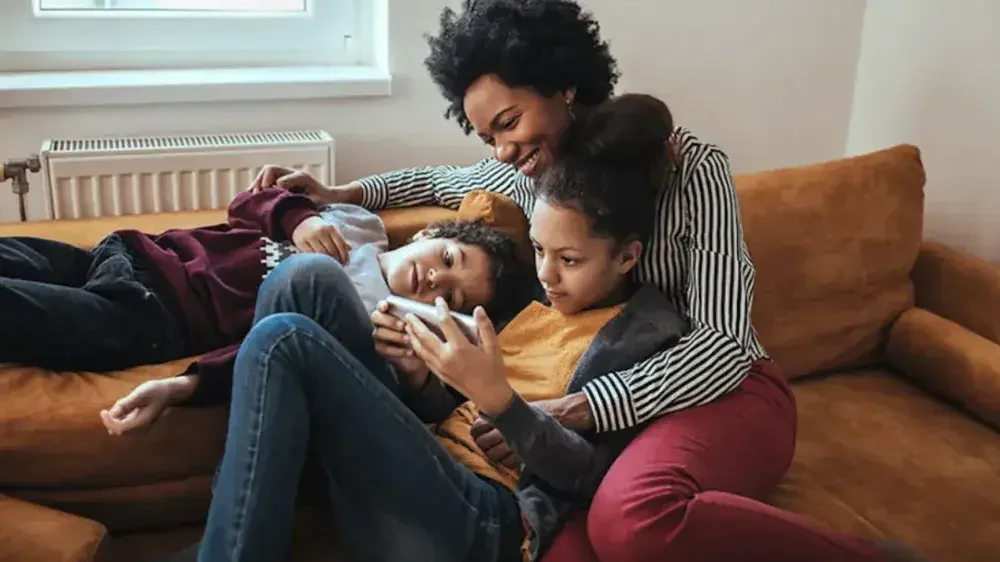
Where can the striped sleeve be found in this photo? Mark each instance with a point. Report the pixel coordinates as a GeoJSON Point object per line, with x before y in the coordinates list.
{"type": "Point", "coordinates": [444, 186]}
{"type": "Point", "coordinates": [716, 355]}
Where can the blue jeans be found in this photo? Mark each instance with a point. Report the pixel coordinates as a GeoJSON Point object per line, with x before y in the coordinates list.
{"type": "Point", "coordinates": [312, 378]}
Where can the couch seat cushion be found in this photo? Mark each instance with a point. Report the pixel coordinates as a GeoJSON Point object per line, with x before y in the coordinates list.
{"type": "Point", "coordinates": [878, 457]}
{"type": "Point", "coordinates": [312, 541]}
{"type": "Point", "coordinates": [33, 532]}
{"type": "Point", "coordinates": [55, 449]}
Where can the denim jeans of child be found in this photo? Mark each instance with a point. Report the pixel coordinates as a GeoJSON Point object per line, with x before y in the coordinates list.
{"type": "Point", "coordinates": [307, 378]}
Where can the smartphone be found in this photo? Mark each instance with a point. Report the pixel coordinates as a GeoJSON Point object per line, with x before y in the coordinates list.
{"type": "Point", "coordinates": [400, 307]}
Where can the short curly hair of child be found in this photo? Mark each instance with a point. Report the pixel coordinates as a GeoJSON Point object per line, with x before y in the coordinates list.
{"type": "Point", "coordinates": [508, 273]}
{"type": "Point", "coordinates": [549, 45]}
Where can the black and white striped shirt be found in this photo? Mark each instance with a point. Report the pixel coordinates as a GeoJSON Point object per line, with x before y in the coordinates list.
{"type": "Point", "coordinates": [697, 257]}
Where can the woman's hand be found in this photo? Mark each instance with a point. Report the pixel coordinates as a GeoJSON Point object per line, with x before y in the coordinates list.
{"type": "Point", "coordinates": [288, 178]}
{"type": "Point", "coordinates": [144, 405]}
{"type": "Point", "coordinates": [491, 441]}
{"type": "Point", "coordinates": [475, 371]}
{"type": "Point", "coordinates": [572, 412]}
{"type": "Point", "coordinates": [392, 343]}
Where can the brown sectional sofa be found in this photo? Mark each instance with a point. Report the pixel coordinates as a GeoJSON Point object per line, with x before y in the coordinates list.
{"type": "Point", "coordinates": [893, 343]}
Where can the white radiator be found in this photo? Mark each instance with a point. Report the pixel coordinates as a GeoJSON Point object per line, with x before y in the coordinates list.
{"type": "Point", "coordinates": [102, 177]}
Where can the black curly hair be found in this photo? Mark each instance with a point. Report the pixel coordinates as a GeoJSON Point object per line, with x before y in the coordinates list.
{"type": "Point", "coordinates": [508, 272]}
{"type": "Point", "coordinates": [617, 159]}
{"type": "Point", "coordinates": [549, 45]}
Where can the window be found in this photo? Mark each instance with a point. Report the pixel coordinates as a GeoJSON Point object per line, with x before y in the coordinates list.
{"type": "Point", "coordinates": [181, 34]}
{"type": "Point", "coordinates": [232, 6]}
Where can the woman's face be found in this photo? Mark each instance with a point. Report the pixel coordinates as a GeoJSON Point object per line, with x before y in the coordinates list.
{"type": "Point", "coordinates": [577, 269]}
{"type": "Point", "coordinates": [522, 126]}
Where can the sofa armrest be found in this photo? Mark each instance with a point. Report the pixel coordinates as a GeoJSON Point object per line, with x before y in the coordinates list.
{"type": "Point", "coordinates": [33, 532]}
{"type": "Point", "coordinates": [948, 360]}
{"type": "Point", "coordinates": [959, 287]}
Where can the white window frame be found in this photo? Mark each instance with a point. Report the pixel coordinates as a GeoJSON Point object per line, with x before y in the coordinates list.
{"type": "Point", "coordinates": [337, 48]}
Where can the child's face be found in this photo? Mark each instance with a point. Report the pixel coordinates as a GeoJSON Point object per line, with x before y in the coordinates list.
{"type": "Point", "coordinates": [429, 268]}
{"type": "Point", "coordinates": [577, 269]}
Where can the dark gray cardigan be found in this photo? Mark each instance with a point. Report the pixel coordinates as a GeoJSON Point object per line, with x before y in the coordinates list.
{"type": "Point", "coordinates": [562, 468]}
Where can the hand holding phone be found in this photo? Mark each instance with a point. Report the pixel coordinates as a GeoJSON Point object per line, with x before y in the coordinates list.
{"type": "Point", "coordinates": [400, 307]}
{"type": "Point", "coordinates": [391, 342]}
{"type": "Point", "coordinates": [474, 367]}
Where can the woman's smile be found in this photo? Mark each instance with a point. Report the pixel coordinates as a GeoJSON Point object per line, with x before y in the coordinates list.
{"type": "Point", "coordinates": [528, 165]}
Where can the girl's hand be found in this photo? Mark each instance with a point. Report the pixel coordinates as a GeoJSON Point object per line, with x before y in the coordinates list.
{"type": "Point", "coordinates": [392, 343]}
{"type": "Point", "coordinates": [141, 407]}
{"type": "Point", "coordinates": [475, 371]}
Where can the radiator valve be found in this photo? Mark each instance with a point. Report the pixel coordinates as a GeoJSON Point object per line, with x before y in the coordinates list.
{"type": "Point", "coordinates": [17, 172]}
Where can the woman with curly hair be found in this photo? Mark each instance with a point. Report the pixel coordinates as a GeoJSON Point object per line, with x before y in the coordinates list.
{"type": "Point", "coordinates": [718, 417]}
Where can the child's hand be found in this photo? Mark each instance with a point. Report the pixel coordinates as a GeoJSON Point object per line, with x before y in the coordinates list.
{"type": "Point", "coordinates": [476, 371]}
{"type": "Point", "coordinates": [315, 235]}
{"type": "Point", "coordinates": [392, 343]}
{"type": "Point", "coordinates": [141, 407]}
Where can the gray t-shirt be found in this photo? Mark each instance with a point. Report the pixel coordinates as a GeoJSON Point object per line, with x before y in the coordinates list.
{"type": "Point", "coordinates": [366, 235]}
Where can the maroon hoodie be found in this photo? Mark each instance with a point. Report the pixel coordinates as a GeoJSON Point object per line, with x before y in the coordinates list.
{"type": "Point", "coordinates": [211, 276]}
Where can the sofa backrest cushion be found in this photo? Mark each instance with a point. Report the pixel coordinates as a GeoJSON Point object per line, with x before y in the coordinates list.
{"type": "Point", "coordinates": [833, 244]}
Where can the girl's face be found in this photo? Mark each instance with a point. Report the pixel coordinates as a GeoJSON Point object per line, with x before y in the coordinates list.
{"type": "Point", "coordinates": [577, 269]}
{"type": "Point", "coordinates": [522, 126]}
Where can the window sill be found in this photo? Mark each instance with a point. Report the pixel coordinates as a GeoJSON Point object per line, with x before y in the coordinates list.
{"type": "Point", "coordinates": [131, 87]}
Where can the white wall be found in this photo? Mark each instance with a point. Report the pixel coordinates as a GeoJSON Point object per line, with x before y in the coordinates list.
{"type": "Point", "coordinates": [929, 74]}
{"type": "Point", "coordinates": [768, 80]}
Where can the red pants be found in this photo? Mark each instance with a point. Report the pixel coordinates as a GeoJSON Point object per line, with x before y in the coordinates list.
{"type": "Point", "coordinates": [688, 489]}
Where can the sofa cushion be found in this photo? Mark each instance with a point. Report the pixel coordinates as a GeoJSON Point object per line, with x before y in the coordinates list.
{"type": "Point", "coordinates": [33, 532]}
{"type": "Point", "coordinates": [878, 457]}
{"type": "Point", "coordinates": [834, 244]}
{"type": "Point", "coordinates": [402, 224]}
{"type": "Point", "coordinates": [502, 213]}
{"type": "Point", "coordinates": [132, 507]}
{"type": "Point", "coordinates": [312, 541]}
{"type": "Point", "coordinates": [56, 451]}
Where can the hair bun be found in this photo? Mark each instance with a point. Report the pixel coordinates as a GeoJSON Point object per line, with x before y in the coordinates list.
{"type": "Point", "coordinates": [614, 164]}
{"type": "Point", "coordinates": [631, 130]}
